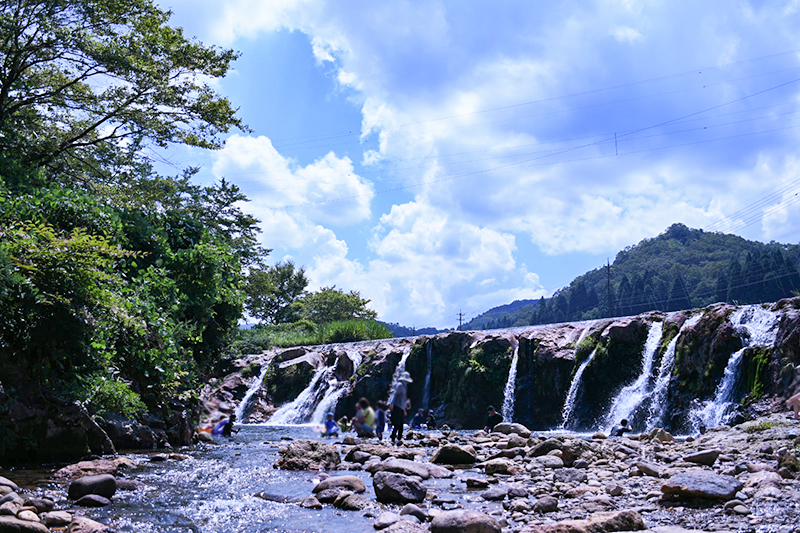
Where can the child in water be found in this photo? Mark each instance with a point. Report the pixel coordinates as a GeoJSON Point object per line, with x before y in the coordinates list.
{"type": "Point", "coordinates": [380, 419]}
{"type": "Point", "coordinates": [331, 427]}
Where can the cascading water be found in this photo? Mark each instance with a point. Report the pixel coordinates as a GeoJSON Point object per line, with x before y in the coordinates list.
{"type": "Point", "coordinates": [758, 324]}
{"type": "Point", "coordinates": [254, 388]}
{"type": "Point", "coordinates": [426, 395]}
{"type": "Point", "coordinates": [509, 393]}
{"type": "Point", "coordinates": [401, 367]}
{"type": "Point", "coordinates": [335, 391]}
{"type": "Point", "coordinates": [631, 396]}
{"type": "Point", "coordinates": [658, 398]}
{"type": "Point", "coordinates": [572, 394]}
{"type": "Point", "coordinates": [300, 409]}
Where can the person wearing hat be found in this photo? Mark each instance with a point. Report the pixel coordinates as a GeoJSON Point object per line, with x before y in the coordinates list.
{"type": "Point", "coordinates": [399, 404]}
{"type": "Point", "coordinates": [331, 427]}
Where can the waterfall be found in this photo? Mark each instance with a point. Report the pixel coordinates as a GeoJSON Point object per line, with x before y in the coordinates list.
{"type": "Point", "coordinates": [569, 403]}
{"type": "Point", "coordinates": [300, 409]}
{"type": "Point", "coordinates": [335, 391]}
{"type": "Point", "coordinates": [758, 328]}
{"type": "Point", "coordinates": [509, 393]}
{"type": "Point", "coordinates": [658, 398]}
{"type": "Point", "coordinates": [401, 367]}
{"type": "Point", "coordinates": [426, 395]}
{"type": "Point", "coordinates": [631, 396]}
{"type": "Point", "coordinates": [254, 388]}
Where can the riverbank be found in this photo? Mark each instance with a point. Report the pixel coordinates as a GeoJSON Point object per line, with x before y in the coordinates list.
{"type": "Point", "coordinates": [730, 479]}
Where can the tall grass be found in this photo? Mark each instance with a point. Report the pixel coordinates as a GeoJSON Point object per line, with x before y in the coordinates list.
{"type": "Point", "coordinates": [263, 337]}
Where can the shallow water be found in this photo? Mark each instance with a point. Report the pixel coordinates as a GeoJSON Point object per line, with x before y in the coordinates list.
{"type": "Point", "coordinates": [214, 491]}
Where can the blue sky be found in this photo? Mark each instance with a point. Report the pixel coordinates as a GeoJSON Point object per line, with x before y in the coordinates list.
{"type": "Point", "coordinates": [453, 156]}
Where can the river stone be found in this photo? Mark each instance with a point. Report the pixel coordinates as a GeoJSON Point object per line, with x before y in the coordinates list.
{"type": "Point", "coordinates": [56, 518]}
{"type": "Point", "coordinates": [354, 502]}
{"type": "Point", "coordinates": [476, 483]}
{"type": "Point", "coordinates": [570, 475]}
{"type": "Point", "coordinates": [11, 497]}
{"type": "Point", "coordinates": [4, 489]}
{"type": "Point", "coordinates": [464, 522]}
{"type": "Point", "coordinates": [547, 504]}
{"type": "Point", "coordinates": [414, 510]}
{"type": "Point", "coordinates": [550, 461]}
{"type": "Point", "coordinates": [501, 466]}
{"type": "Point", "coordinates": [329, 495]}
{"type": "Point", "coordinates": [308, 455]}
{"type": "Point", "coordinates": [42, 505]}
{"type": "Point", "coordinates": [80, 524]}
{"type": "Point", "coordinates": [93, 500]}
{"type": "Point", "coordinates": [391, 487]}
{"type": "Point", "coordinates": [12, 524]}
{"type": "Point", "coordinates": [437, 471]}
{"type": "Point", "coordinates": [606, 522]}
{"type": "Point", "coordinates": [648, 469]}
{"type": "Point", "coordinates": [353, 483]}
{"type": "Point", "coordinates": [403, 466]}
{"type": "Point", "coordinates": [508, 428]}
{"type": "Point", "coordinates": [698, 483]}
{"type": "Point", "coordinates": [379, 450]}
{"type": "Point", "coordinates": [4, 481]}
{"type": "Point", "coordinates": [311, 503]}
{"type": "Point", "coordinates": [661, 435]}
{"type": "Point", "coordinates": [452, 454]}
{"type": "Point", "coordinates": [703, 457]}
{"type": "Point", "coordinates": [543, 448]}
{"type": "Point", "coordinates": [405, 526]}
{"type": "Point", "coordinates": [10, 508]}
{"type": "Point", "coordinates": [94, 468]}
{"type": "Point", "coordinates": [104, 485]}
{"type": "Point", "coordinates": [385, 520]}
{"type": "Point", "coordinates": [28, 515]}
{"type": "Point", "coordinates": [495, 494]}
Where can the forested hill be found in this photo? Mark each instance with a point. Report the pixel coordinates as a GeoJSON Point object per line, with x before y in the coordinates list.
{"type": "Point", "coordinates": [679, 269]}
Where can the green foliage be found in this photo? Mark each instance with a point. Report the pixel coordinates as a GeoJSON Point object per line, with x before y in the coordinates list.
{"type": "Point", "coordinates": [764, 425]}
{"type": "Point", "coordinates": [352, 331]}
{"type": "Point", "coordinates": [304, 333]}
{"type": "Point", "coordinates": [679, 269]}
{"type": "Point", "coordinates": [110, 395]}
{"type": "Point", "coordinates": [756, 367]}
{"type": "Point", "coordinates": [250, 370]}
{"type": "Point", "coordinates": [272, 292]}
{"type": "Point", "coordinates": [330, 304]}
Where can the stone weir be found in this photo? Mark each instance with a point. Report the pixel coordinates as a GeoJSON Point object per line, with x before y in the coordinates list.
{"type": "Point", "coordinates": [469, 370]}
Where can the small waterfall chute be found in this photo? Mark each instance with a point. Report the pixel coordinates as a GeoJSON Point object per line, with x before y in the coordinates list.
{"type": "Point", "coordinates": [630, 397]}
{"type": "Point", "coordinates": [401, 367]}
{"type": "Point", "coordinates": [426, 394]}
{"type": "Point", "coordinates": [509, 393]}
{"type": "Point", "coordinates": [241, 409]}
{"type": "Point", "coordinates": [758, 324]}
{"type": "Point", "coordinates": [658, 398]}
{"type": "Point", "coordinates": [572, 394]}
{"type": "Point", "coordinates": [299, 410]}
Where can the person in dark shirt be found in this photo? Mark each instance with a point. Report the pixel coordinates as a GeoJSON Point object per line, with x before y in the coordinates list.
{"type": "Point", "coordinates": [227, 429]}
{"type": "Point", "coordinates": [492, 419]}
{"type": "Point", "coordinates": [419, 419]}
{"type": "Point", "coordinates": [621, 429]}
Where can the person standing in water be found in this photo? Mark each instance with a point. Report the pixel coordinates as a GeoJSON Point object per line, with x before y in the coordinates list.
{"type": "Point", "coordinates": [399, 405]}
{"type": "Point", "coordinates": [492, 418]}
{"type": "Point", "coordinates": [380, 419]}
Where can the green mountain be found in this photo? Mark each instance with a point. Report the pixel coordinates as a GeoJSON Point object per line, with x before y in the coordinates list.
{"type": "Point", "coordinates": [681, 268]}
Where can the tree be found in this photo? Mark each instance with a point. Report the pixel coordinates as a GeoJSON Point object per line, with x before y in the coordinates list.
{"type": "Point", "coordinates": [330, 304]}
{"type": "Point", "coordinates": [272, 293]}
{"type": "Point", "coordinates": [86, 84]}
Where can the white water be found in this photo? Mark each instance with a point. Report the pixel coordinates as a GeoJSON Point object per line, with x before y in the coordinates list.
{"type": "Point", "coordinates": [509, 393]}
{"type": "Point", "coordinates": [336, 389]}
{"type": "Point", "coordinates": [569, 403]}
{"type": "Point", "coordinates": [299, 410]}
{"type": "Point", "coordinates": [631, 396]}
{"type": "Point", "coordinates": [426, 395]}
{"type": "Point", "coordinates": [658, 398]}
{"type": "Point", "coordinates": [254, 388]}
{"type": "Point", "coordinates": [758, 328]}
{"type": "Point", "coordinates": [401, 367]}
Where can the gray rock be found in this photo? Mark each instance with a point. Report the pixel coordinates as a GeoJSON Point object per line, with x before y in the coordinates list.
{"type": "Point", "coordinates": [56, 518]}
{"type": "Point", "coordinates": [352, 483]}
{"type": "Point", "coordinates": [501, 466]}
{"type": "Point", "coordinates": [10, 508]}
{"type": "Point", "coordinates": [627, 520]}
{"type": "Point", "coordinates": [308, 455]}
{"type": "Point", "coordinates": [93, 500]}
{"type": "Point", "coordinates": [28, 516]}
{"type": "Point", "coordinates": [80, 524]}
{"type": "Point", "coordinates": [410, 509]}
{"type": "Point", "coordinates": [329, 495]}
{"type": "Point", "coordinates": [648, 469]}
{"type": "Point", "coordinates": [548, 504]}
{"type": "Point", "coordinates": [403, 466]}
{"type": "Point", "coordinates": [354, 502]}
{"type": "Point", "coordinates": [516, 441]}
{"type": "Point", "coordinates": [11, 497]}
{"type": "Point", "coordinates": [311, 503]}
{"type": "Point", "coordinates": [4, 481]}
{"type": "Point", "coordinates": [570, 475]}
{"type": "Point", "coordinates": [385, 520]}
{"type": "Point", "coordinates": [103, 485]}
{"type": "Point", "coordinates": [703, 457]}
{"type": "Point", "coordinates": [12, 524]}
{"type": "Point", "coordinates": [550, 461]}
{"type": "Point", "coordinates": [405, 526]}
{"type": "Point", "coordinates": [464, 522]}
{"type": "Point", "coordinates": [508, 428]}
{"type": "Point", "coordinates": [698, 483]}
{"type": "Point", "coordinates": [452, 454]}
{"type": "Point", "coordinates": [391, 487]}
{"type": "Point", "coordinates": [476, 483]}
{"type": "Point", "coordinates": [42, 505]}
{"type": "Point", "coordinates": [494, 494]}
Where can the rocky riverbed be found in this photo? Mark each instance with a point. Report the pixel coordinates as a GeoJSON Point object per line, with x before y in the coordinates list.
{"type": "Point", "coordinates": [730, 479]}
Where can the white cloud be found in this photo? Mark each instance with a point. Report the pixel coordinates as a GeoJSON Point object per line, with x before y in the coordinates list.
{"type": "Point", "coordinates": [625, 34]}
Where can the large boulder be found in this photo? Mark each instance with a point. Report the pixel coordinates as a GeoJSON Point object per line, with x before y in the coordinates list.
{"type": "Point", "coordinates": [391, 487]}
{"type": "Point", "coordinates": [377, 450]}
{"type": "Point", "coordinates": [508, 428]}
{"type": "Point", "coordinates": [402, 466]}
{"type": "Point", "coordinates": [464, 522]}
{"type": "Point", "coordinates": [308, 455]}
{"type": "Point", "coordinates": [452, 454]}
{"type": "Point", "coordinates": [697, 483]}
{"type": "Point", "coordinates": [129, 434]}
{"type": "Point", "coordinates": [93, 468]}
{"type": "Point", "coordinates": [103, 485]}
{"type": "Point", "coordinates": [11, 524]}
{"type": "Point", "coordinates": [627, 520]}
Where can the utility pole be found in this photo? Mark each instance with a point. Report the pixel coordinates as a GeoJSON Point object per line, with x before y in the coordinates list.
{"type": "Point", "coordinates": [460, 319]}
{"type": "Point", "coordinates": [608, 286]}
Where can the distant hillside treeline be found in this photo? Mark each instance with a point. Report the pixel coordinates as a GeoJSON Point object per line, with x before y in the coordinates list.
{"type": "Point", "coordinates": [680, 269]}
